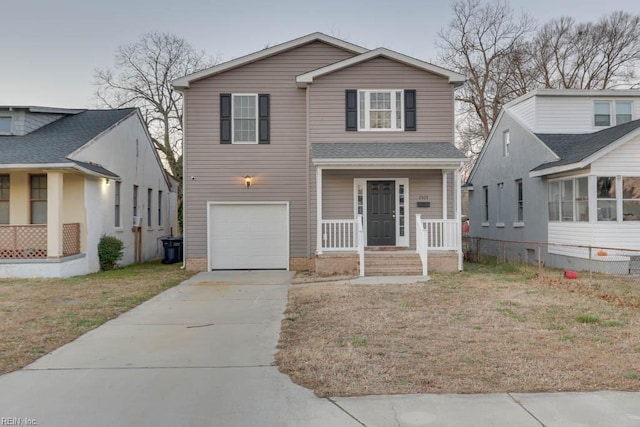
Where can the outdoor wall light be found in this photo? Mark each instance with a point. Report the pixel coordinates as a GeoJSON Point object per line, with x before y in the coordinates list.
{"type": "Point", "coordinates": [106, 181]}
{"type": "Point", "coordinates": [247, 180]}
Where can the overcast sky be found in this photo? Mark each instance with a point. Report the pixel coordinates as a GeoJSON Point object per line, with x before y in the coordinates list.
{"type": "Point", "coordinates": [50, 48]}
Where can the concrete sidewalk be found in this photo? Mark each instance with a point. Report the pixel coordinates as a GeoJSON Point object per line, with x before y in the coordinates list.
{"type": "Point", "coordinates": [202, 354]}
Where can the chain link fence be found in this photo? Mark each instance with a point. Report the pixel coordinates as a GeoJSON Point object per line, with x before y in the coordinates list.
{"type": "Point", "coordinates": [586, 259]}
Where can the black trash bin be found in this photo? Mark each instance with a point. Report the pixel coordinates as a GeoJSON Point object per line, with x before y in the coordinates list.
{"type": "Point", "coordinates": [172, 250]}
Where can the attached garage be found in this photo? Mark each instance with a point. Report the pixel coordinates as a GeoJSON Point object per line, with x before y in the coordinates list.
{"type": "Point", "coordinates": [248, 235]}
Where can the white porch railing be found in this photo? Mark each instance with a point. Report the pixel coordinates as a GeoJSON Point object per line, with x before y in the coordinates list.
{"type": "Point", "coordinates": [361, 244]}
{"type": "Point", "coordinates": [339, 235]}
{"type": "Point", "coordinates": [421, 244]}
{"type": "Point", "coordinates": [443, 234]}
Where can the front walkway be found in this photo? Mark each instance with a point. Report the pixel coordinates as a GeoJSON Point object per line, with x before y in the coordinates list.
{"type": "Point", "coordinates": [201, 354]}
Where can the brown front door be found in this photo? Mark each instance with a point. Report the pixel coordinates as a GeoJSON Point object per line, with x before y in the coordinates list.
{"type": "Point", "coordinates": [381, 213]}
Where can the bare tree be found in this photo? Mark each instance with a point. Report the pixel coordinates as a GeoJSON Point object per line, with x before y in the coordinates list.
{"type": "Point", "coordinates": [485, 42]}
{"type": "Point", "coordinates": [141, 77]}
{"type": "Point", "coordinates": [588, 55]}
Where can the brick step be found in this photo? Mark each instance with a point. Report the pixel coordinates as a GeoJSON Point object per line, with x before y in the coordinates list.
{"type": "Point", "coordinates": [392, 264]}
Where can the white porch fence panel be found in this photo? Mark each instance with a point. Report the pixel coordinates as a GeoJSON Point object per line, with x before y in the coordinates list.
{"type": "Point", "coordinates": [442, 234]}
{"type": "Point", "coordinates": [339, 234]}
{"type": "Point", "coordinates": [421, 244]}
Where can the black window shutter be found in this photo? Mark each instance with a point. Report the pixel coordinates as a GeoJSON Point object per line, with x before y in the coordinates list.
{"type": "Point", "coordinates": [225, 118]}
{"type": "Point", "coordinates": [410, 110]}
{"type": "Point", "coordinates": [263, 119]}
{"type": "Point", "coordinates": [351, 96]}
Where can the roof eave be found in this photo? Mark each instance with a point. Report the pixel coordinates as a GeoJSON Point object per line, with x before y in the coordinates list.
{"type": "Point", "coordinates": [399, 163]}
{"type": "Point", "coordinates": [55, 166]}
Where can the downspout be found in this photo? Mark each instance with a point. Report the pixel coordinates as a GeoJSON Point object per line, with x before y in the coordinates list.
{"type": "Point", "coordinates": [184, 187]}
{"type": "Point", "coordinates": [307, 160]}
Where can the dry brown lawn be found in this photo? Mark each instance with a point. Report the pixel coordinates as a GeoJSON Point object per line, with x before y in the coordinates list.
{"type": "Point", "coordinates": [40, 315]}
{"type": "Point", "coordinates": [490, 329]}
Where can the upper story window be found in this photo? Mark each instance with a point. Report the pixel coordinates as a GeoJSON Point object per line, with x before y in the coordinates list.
{"type": "Point", "coordinates": [380, 110]}
{"type": "Point", "coordinates": [505, 143]}
{"type": "Point", "coordinates": [610, 113]}
{"type": "Point", "coordinates": [244, 118]}
{"type": "Point", "coordinates": [5, 125]}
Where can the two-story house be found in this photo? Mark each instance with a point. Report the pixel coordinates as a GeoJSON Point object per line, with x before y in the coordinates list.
{"type": "Point", "coordinates": [316, 154]}
{"type": "Point", "coordinates": [562, 168]}
{"type": "Point", "coordinates": [68, 176]}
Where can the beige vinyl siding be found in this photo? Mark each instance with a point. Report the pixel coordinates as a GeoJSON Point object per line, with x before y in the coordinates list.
{"type": "Point", "coordinates": [434, 102]}
{"type": "Point", "coordinates": [279, 168]}
{"type": "Point", "coordinates": [621, 161]}
{"type": "Point", "coordinates": [338, 197]}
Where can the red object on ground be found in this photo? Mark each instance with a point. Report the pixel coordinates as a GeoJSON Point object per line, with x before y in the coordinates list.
{"type": "Point", "coordinates": [570, 274]}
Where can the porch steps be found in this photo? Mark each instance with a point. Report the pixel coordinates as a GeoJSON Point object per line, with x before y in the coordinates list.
{"type": "Point", "coordinates": [392, 263]}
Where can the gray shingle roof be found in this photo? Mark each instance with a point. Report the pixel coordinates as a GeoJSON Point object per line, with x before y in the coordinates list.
{"type": "Point", "coordinates": [573, 148]}
{"type": "Point", "coordinates": [52, 143]}
{"type": "Point", "coordinates": [386, 150]}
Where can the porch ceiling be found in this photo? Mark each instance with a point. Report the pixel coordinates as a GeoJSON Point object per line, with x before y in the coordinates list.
{"type": "Point", "coordinates": [399, 154]}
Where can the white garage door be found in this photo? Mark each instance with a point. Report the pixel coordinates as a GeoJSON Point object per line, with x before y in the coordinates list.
{"type": "Point", "coordinates": [248, 236]}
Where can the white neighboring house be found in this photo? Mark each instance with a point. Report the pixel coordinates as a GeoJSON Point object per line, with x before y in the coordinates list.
{"type": "Point", "coordinates": [68, 176]}
{"type": "Point", "coordinates": [562, 167]}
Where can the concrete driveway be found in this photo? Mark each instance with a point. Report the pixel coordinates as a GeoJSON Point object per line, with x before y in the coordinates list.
{"type": "Point", "coordinates": [201, 354]}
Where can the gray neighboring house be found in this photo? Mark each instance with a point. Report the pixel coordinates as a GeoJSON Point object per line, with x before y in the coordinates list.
{"type": "Point", "coordinates": [318, 154]}
{"type": "Point", "coordinates": [562, 167]}
{"type": "Point", "coordinates": [68, 176]}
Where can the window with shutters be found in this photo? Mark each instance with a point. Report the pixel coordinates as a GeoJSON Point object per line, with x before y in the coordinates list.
{"type": "Point", "coordinates": [244, 112]}
{"type": "Point", "coordinates": [380, 110]}
{"type": "Point", "coordinates": [244, 118]}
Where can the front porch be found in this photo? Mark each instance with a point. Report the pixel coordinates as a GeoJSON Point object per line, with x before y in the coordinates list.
{"type": "Point", "coordinates": [405, 221]}
{"type": "Point", "coordinates": [31, 241]}
{"type": "Point", "coordinates": [41, 223]}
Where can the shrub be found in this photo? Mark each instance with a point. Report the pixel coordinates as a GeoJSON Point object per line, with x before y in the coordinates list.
{"type": "Point", "coordinates": [109, 252]}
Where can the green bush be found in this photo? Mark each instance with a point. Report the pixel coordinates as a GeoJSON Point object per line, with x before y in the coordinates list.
{"type": "Point", "coordinates": [109, 252]}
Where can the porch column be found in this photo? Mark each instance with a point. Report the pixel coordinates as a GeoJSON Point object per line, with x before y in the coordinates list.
{"type": "Point", "coordinates": [54, 214]}
{"type": "Point", "coordinates": [457, 184]}
{"type": "Point", "coordinates": [318, 210]}
{"type": "Point", "coordinates": [445, 208]}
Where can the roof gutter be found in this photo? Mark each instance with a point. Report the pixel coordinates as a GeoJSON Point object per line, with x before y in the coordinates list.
{"type": "Point", "coordinates": [69, 166]}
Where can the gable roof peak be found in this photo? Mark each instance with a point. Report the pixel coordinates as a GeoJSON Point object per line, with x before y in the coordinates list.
{"type": "Point", "coordinates": [184, 82]}
{"type": "Point", "coordinates": [307, 78]}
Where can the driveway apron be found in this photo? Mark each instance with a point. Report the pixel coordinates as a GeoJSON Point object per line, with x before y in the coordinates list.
{"type": "Point", "coordinates": [200, 354]}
